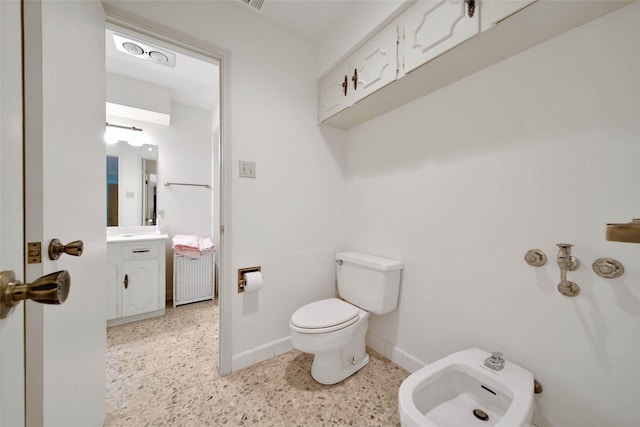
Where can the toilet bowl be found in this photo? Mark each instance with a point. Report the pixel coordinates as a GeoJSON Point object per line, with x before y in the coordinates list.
{"type": "Point", "coordinates": [460, 391]}
{"type": "Point", "coordinates": [334, 329]}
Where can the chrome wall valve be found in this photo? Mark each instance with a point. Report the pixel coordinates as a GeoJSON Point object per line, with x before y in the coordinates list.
{"type": "Point", "coordinates": [535, 258]}
{"type": "Point", "coordinates": [567, 262]}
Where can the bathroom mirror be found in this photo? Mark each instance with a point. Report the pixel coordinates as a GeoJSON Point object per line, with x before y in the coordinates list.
{"type": "Point", "coordinates": [132, 178]}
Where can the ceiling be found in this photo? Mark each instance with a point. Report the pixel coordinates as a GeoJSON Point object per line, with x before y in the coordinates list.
{"type": "Point", "coordinates": [192, 81]}
{"type": "Point", "coordinates": [195, 82]}
{"type": "Point", "coordinates": [307, 18]}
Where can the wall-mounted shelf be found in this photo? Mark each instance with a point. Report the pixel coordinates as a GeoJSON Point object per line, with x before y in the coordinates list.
{"type": "Point", "coordinates": [629, 232]}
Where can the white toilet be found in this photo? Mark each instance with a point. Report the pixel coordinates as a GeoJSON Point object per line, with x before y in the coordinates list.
{"type": "Point", "coordinates": [333, 329]}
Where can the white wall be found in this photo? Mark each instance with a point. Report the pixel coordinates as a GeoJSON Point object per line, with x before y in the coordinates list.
{"type": "Point", "coordinates": [185, 155]}
{"type": "Point", "coordinates": [539, 149]}
{"type": "Point", "coordinates": [290, 219]}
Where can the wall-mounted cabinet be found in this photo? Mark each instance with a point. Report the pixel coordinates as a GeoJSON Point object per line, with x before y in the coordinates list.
{"type": "Point", "coordinates": [433, 27]}
{"type": "Point", "coordinates": [445, 41]}
{"type": "Point", "coordinates": [135, 280]}
{"type": "Point", "coordinates": [370, 68]}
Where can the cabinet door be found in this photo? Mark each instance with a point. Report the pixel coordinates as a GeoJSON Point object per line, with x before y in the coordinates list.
{"type": "Point", "coordinates": [334, 92]}
{"type": "Point", "coordinates": [433, 27]}
{"type": "Point", "coordinates": [140, 293]}
{"type": "Point", "coordinates": [496, 10]}
{"type": "Point", "coordinates": [375, 65]}
{"type": "Point", "coordinates": [112, 290]}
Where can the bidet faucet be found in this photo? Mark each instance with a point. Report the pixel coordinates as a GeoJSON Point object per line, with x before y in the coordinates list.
{"type": "Point", "coordinates": [495, 362]}
{"type": "Point", "coordinates": [567, 262]}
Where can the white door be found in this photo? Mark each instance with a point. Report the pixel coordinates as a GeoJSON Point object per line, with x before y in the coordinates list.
{"type": "Point", "coordinates": [11, 242]}
{"type": "Point", "coordinates": [64, 187]}
{"type": "Point", "coordinates": [433, 27]}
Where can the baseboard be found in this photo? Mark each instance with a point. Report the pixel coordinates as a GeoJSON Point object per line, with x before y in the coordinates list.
{"type": "Point", "coordinates": [395, 354]}
{"type": "Point", "coordinates": [283, 345]}
{"type": "Point", "coordinates": [258, 354]}
{"type": "Point", "coordinates": [123, 320]}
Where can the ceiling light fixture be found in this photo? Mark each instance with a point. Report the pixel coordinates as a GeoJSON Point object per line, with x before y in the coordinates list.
{"type": "Point", "coordinates": [132, 48]}
{"type": "Point", "coordinates": [158, 56]}
{"type": "Point", "coordinates": [144, 50]}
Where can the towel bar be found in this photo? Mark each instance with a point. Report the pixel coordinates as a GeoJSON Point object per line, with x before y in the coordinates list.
{"type": "Point", "coordinates": [166, 184]}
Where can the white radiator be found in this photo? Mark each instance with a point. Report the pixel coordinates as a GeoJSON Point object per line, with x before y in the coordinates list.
{"type": "Point", "coordinates": [193, 279]}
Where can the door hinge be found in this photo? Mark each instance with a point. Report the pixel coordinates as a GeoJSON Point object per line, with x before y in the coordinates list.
{"type": "Point", "coordinates": [34, 252]}
{"type": "Point", "coordinates": [222, 229]}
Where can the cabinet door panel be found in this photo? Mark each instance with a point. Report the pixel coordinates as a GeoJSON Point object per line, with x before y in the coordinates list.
{"type": "Point", "coordinates": [497, 10]}
{"type": "Point", "coordinates": [141, 294]}
{"type": "Point", "coordinates": [375, 64]}
{"type": "Point", "coordinates": [433, 27]}
{"type": "Point", "coordinates": [331, 93]}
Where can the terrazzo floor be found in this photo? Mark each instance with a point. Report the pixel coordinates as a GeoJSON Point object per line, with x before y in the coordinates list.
{"type": "Point", "coordinates": [162, 372]}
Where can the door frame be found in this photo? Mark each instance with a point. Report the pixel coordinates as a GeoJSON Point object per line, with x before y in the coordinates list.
{"type": "Point", "coordinates": [223, 56]}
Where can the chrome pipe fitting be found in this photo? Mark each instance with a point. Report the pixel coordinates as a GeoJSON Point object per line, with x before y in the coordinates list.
{"type": "Point", "coordinates": [567, 262]}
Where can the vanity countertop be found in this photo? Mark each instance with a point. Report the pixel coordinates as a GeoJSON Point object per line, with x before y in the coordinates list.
{"type": "Point", "coordinates": [130, 237]}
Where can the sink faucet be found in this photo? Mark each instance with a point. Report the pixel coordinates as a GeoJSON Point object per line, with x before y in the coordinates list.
{"type": "Point", "coordinates": [495, 362]}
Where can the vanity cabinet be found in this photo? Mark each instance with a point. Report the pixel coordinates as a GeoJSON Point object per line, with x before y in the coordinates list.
{"type": "Point", "coordinates": [369, 69]}
{"type": "Point", "coordinates": [433, 27]}
{"type": "Point", "coordinates": [135, 280]}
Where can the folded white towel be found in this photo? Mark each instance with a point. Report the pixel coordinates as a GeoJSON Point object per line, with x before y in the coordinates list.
{"type": "Point", "coordinates": [206, 246]}
{"type": "Point", "coordinates": [192, 246]}
{"type": "Point", "coordinates": [186, 241]}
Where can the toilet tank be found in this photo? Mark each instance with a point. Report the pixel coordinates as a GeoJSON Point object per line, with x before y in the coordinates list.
{"type": "Point", "coordinates": [368, 281]}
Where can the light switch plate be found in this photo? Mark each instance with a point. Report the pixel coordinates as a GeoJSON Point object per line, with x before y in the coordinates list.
{"type": "Point", "coordinates": [247, 169]}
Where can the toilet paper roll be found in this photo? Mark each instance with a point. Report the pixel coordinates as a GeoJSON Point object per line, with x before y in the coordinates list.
{"type": "Point", "coordinates": [253, 281]}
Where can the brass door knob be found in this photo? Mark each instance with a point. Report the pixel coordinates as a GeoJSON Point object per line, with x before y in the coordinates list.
{"type": "Point", "coordinates": [56, 248]}
{"type": "Point", "coordinates": [50, 289]}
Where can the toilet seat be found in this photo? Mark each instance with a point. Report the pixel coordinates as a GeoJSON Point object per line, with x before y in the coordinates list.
{"type": "Point", "coordinates": [324, 316]}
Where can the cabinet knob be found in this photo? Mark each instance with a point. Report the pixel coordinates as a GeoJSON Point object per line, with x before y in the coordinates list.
{"type": "Point", "coordinates": [345, 84]}
{"type": "Point", "coordinates": [354, 79]}
{"type": "Point", "coordinates": [471, 7]}
{"type": "Point", "coordinates": [126, 281]}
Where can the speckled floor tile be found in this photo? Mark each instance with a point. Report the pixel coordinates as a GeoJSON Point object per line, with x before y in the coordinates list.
{"type": "Point", "coordinates": [162, 372]}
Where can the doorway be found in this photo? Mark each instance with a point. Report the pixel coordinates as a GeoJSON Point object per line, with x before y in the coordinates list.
{"type": "Point", "coordinates": [198, 96]}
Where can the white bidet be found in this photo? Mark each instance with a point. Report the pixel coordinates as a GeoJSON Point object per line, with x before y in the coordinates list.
{"type": "Point", "coordinates": [461, 391]}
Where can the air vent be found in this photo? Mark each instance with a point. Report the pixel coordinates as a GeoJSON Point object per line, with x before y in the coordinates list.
{"type": "Point", "coordinates": [144, 50]}
{"type": "Point", "coordinates": [255, 5]}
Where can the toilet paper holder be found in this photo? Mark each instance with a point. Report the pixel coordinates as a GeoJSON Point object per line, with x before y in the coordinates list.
{"type": "Point", "coordinates": [241, 272]}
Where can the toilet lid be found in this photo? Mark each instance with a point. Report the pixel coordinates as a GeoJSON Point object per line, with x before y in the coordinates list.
{"type": "Point", "coordinates": [324, 314]}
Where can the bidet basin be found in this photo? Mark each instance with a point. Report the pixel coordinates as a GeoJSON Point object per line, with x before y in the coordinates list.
{"type": "Point", "coordinates": [459, 391]}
